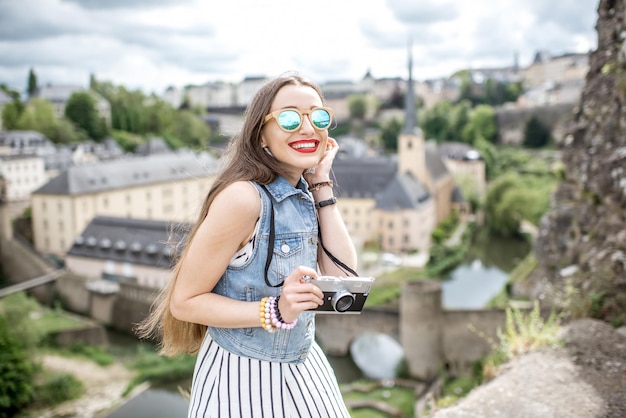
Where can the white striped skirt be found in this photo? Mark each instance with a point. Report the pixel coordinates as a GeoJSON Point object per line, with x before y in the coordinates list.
{"type": "Point", "coordinates": [229, 386]}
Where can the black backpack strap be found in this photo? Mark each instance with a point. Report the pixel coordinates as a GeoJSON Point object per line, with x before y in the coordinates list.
{"type": "Point", "coordinates": [270, 244]}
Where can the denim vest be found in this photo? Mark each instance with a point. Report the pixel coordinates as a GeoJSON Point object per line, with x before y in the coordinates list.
{"type": "Point", "coordinates": [295, 244]}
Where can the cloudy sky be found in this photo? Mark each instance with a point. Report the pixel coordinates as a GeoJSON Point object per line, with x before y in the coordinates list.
{"type": "Point", "coordinates": [152, 44]}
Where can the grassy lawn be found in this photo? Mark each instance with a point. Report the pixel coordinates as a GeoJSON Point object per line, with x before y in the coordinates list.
{"type": "Point", "coordinates": [388, 286]}
{"type": "Point", "coordinates": [399, 398]}
{"type": "Point", "coordinates": [50, 321]}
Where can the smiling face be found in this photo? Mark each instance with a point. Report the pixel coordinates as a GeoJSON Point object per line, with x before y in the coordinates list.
{"type": "Point", "coordinates": [303, 148]}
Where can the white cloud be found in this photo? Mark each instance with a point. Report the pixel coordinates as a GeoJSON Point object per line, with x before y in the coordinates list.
{"type": "Point", "coordinates": [153, 44]}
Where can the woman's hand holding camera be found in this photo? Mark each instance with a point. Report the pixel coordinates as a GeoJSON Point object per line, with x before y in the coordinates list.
{"type": "Point", "coordinates": [299, 295]}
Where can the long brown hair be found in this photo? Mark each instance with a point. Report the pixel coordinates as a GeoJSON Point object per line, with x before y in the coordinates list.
{"type": "Point", "coordinates": [244, 160]}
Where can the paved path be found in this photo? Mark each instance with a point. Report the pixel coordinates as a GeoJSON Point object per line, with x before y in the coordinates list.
{"type": "Point", "coordinates": [29, 284]}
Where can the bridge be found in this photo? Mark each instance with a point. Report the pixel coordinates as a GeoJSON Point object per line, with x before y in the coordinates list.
{"type": "Point", "coordinates": [29, 284]}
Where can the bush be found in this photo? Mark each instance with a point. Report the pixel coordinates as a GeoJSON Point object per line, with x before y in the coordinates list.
{"type": "Point", "coordinates": [525, 332]}
{"type": "Point", "coordinates": [58, 387]}
{"type": "Point", "coordinates": [17, 371]}
{"type": "Point", "coordinates": [17, 309]}
{"type": "Point", "coordinates": [536, 134]}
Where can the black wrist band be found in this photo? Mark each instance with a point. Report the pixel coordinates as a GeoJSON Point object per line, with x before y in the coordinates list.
{"type": "Point", "coordinates": [327, 202]}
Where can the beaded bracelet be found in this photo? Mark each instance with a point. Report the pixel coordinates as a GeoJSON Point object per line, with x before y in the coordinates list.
{"type": "Point", "coordinates": [265, 314]}
{"type": "Point", "coordinates": [277, 320]}
{"type": "Point", "coordinates": [318, 186]}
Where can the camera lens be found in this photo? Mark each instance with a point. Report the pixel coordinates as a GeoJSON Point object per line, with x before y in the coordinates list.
{"type": "Point", "coordinates": [342, 300]}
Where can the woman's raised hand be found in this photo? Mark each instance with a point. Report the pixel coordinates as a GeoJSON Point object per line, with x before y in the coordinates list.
{"type": "Point", "coordinates": [321, 172]}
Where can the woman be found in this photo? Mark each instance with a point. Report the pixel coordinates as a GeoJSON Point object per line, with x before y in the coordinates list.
{"type": "Point", "coordinates": [240, 276]}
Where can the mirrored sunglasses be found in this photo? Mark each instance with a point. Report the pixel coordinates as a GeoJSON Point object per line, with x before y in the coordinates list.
{"type": "Point", "coordinates": [291, 119]}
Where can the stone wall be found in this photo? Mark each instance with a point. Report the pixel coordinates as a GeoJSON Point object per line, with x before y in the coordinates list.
{"type": "Point", "coordinates": [20, 263]}
{"type": "Point", "coordinates": [73, 293]}
{"type": "Point", "coordinates": [431, 336]}
{"type": "Point", "coordinates": [335, 333]}
{"type": "Point", "coordinates": [131, 306]}
{"type": "Point", "coordinates": [582, 239]}
{"type": "Point", "coordinates": [559, 119]}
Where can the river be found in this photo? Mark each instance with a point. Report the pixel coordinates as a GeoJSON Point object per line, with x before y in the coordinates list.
{"type": "Point", "coordinates": [470, 285]}
{"type": "Point", "coordinates": [483, 273]}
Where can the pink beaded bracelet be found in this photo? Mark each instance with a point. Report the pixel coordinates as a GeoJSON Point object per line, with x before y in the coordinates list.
{"type": "Point", "coordinates": [276, 319]}
{"type": "Point", "coordinates": [265, 308]}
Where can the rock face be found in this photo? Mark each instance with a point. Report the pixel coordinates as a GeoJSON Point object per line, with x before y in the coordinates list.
{"type": "Point", "coordinates": [585, 378]}
{"type": "Point", "coordinates": [582, 239]}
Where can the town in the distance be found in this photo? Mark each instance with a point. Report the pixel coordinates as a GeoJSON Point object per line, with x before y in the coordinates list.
{"type": "Point", "coordinates": [109, 208]}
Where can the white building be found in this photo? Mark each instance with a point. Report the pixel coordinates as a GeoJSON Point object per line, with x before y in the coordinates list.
{"type": "Point", "coordinates": [124, 249]}
{"type": "Point", "coordinates": [163, 187]}
{"type": "Point", "coordinates": [20, 175]}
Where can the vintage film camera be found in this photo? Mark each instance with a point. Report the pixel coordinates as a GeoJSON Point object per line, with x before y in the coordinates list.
{"type": "Point", "coordinates": [342, 294]}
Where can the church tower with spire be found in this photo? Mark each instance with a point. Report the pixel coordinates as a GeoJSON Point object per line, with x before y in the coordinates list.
{"type": "Point", "coordinates": [411, 151]}
{"type": "Point", "coordinates": [420, 159]}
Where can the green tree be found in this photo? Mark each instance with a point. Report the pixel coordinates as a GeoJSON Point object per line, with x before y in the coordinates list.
{"type": "Point", "coordinates": [497, 92]}
{"type": "Point", "coordinates": [32, 83]}
{"type": "Point", "coordinates": [466, 86]}
{"type": "Point", "coordinates": [127, 108]}
{"type": "Point", "coordinates": [126, 140]}
{"type": "Point", "coordinates": [65, 132]}
{"type": "Point", "coordinates": [501, 216]}
{"type": "Point", "coordinates": [81, 110]}
{"type": "Point", "coordinates": [459, 117]}
{"type": "Point", "coordinates": [490, 155]}
{"type": "Point", "coordinates": [190, 130]}
{"type": "Point", "coordinates": [389, 134]}
{"type": "Point", "coordinates": [17, 309]}
{"type": "Point", "coordinates": [482, 123]}
{"type": "Point", "coordinates": [17, 344]}
{"type": "Point", "coordinates": [17, 371]}
{"type": "Point", "coordinates": [435, 122]}
{"type": "Point", "coordinates": [11, 115]}
{"type": "Point", "coordinates": [357, 106]}
{"type": "Point", "coordinates": [158, 116]}
{"type": "Point", "coordinates": [513, 198]}
{"type": "Point", "coordinates": [12, 111]}
{"type": "Point", "coordinates": [514, 91]}
{"type": "Point", "coordinates": [38, 116]}
{"type": "Point", "coordinates": [396, 99]}
{"type": "Point", "coordinates": [536, 134]}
